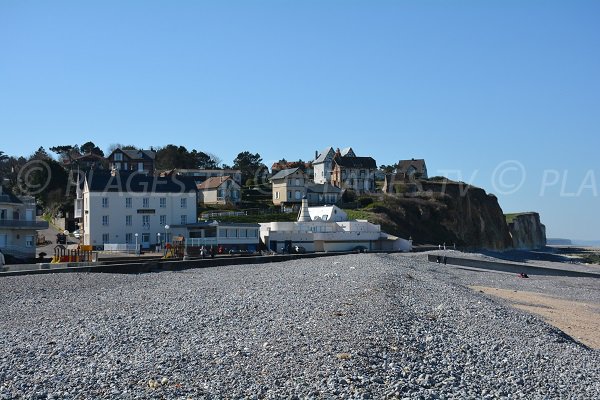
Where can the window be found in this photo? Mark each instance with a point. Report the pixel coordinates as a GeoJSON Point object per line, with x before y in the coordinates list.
{"type": "Point", "coordinates": [146, 202]}
{"type": "Point", "coordinates": [29, 241]}
{"type": "Point", "coordinates": [298, 195]}
{"type": "Point", "coordinates": [183, 219]}
{"type": "Point", "coordinates": [252, 233]}
{"type": "Point", "coordinates": [289, 182]}
{"type": "Point", "coordinates": [235, 194]}
{"type": "Point", "coordinates": [117, 165]}
{"type": "Point", "coordinates": [145, 238]}
{"type": "Point", "coordinates": [118, 156]}
{"type": "Point", "coordinates": [232, 233]}
{"type": "Point", "coordinates": [277, 195]}
{"type": "Point", "coordinates": [140, 167]}
{"type": "Point", "coordinates": [128, 220]}
{"type": "Point", "coordinates": [146, 221]}
{"type": "Point", "coordinates": [289, 195]}
{"type": "Point", "coordinates": [105, 202]}
{"type": "Point", "coordinates": [129, 238]}
{"type": "Point", "coordinates": [163, 202]}
{"type": "Point", "coordinates": [105, 238]}
{"type": "Point", "coordinates": [223, 233]}
{"type": "Point", "coordinates": [163, 220]}
{"type": "Point", "coordinates": [128, 202]}
{"type": "Point", "coordinates": [243, 233]}
{"type": "Point", "coordinates": [297, 182]}
{"type": "Point", "coordinates": [184, 203]}
{"type": "Point", "coordinates": [105, 220]}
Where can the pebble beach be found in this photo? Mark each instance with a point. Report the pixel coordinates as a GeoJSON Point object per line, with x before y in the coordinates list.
{"type": "Point", "coordinates": [362, 326]}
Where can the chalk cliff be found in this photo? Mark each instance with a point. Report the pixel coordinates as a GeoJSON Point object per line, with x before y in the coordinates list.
{"type": "Point", "coordinates": [527, 231]}
{"type": "Point", "coordinates": [444, 212]}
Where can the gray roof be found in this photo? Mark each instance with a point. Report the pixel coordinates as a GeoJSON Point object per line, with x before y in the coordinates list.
{"type": "Point", "coordinates": [347, 150]}
{"type": "Point", "coordinates": [418, 165]}
{"type": "Point", "coordinates": [356, 162]}
{"type": "Point", "coordinates": [134, 154]}
{"type": "Point", "coordinates": [101, 181]}
{"type": "Point", "coordinates": [6, 196]}
{"type": "Point", "coordinates": [323, 188]}
{"type": "Point", "coordinates": [323, 155]}
{"type": "Point", "coordinates": [284, 174]}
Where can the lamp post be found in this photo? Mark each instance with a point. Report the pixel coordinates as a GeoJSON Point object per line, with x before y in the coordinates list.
{"type": "Point", "coordinates": [136, 245]}
{"type": "Point", "coordinates": [167, 227]}
{"type": "Point", "coordinates": [158, 240]}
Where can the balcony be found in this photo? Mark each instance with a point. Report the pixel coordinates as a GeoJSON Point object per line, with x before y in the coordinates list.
{"type": "Point", "coordinates": [23, 224]}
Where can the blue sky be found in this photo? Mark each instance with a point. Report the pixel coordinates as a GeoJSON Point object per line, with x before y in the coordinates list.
{"type": "Point", "coordinates": [476, 88]}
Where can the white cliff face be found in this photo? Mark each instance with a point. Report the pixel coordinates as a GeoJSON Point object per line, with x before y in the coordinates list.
{"type": "Point", "coordinates": [527, 232]}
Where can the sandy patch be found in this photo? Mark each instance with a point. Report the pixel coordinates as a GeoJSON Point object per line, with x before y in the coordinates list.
{"type": "Point", "coordinates": [579, 320]}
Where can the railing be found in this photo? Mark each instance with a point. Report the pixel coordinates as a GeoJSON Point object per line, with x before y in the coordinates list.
{"type": "Point", "coordinates": [21, 223]}
{"type": "Point", "coordinates": [121, 247]}
{"type": "Point", "coordinates": [216, 214]}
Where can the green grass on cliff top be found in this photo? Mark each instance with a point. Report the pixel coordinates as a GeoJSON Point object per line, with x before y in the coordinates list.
{"type": "Point", "coordinates": [510, 218]}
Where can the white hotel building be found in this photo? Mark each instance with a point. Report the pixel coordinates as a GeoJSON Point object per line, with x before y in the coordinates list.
{"type": "Point", "coordinates": [125, 208]}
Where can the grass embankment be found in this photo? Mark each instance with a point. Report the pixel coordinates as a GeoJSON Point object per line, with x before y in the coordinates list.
{"type": "Point", "coordinates": [510, 218]}
{"type": "Point", "coordinates": [262, 218]}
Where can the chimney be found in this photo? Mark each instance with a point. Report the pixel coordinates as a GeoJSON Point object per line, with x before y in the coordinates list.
{"type": "Point", "coordinates": [304, 214]}
{"type": "Point", "coordinates": [316, 154]}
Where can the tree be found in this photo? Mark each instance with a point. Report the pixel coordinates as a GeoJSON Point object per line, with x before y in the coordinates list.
{"type": "Point", "coordinates": [388, 169]}
{"type": "Point", "coordinates": [45, 179]}
{"type": "Point", "coordinates": [249, 164]}
{"type": "Point", "coordinates": [112, 147]}
{"type": "Point", "coordinates": [66, 152]}
{"type": "Point", "coordinates": [90, 147]}
{"type": "Point", "coordinates": [203, 160]}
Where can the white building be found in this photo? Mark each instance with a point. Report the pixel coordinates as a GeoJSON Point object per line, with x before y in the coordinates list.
{"type": "Point", "coordinates": [18, 226]}
{"type": "Point", "coordinates": [134, 208]}
{"type": "Point", "coordinates": [323, 165]}
{"type": "Point", "coordinates": [326, 229]}
{"type": "Point", "coordinates": [219, 190]}
{"type": "Point", "coordinates": [222, 236]}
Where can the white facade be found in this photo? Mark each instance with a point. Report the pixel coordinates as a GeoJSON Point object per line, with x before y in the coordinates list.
{"type": "Point", "coordinates": [116, 217]}
{"type": "Point", "coordinates": [18, 226]}
{"type": "Point", "coordinates": [323, 166]}
{"type": "Point", "coordinates": [319, 235]}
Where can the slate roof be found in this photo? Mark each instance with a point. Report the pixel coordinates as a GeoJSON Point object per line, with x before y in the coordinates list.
{"type": "Point", "coordinates": [284, 174]}
{"type": "Point", "coordinates": [323, 188]}
{"type": "Point", "coordinates": [345, 151]}
{"type": "Point", "coordinates": [214, 182]}
{"type": "Point", "coordinates": [135, 182]}
{"type": "Point", "coordinates": [404, 165]}
{"type": "Point", "coordinates": [134, 154]}
{"type": "Point", "coordinates": [356, 162]}
{"type": "Point", "coordinates": [8, 197]}
{"type": "Point", "coordinates": [323, 155]}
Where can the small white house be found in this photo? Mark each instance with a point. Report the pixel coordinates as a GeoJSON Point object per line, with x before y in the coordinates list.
{"type": "Point", "coordinates": [219, 190]}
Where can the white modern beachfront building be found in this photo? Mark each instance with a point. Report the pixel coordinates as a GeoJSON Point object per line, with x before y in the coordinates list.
{"type": "Point", "coordinates": [123, 208]}
{"type": "Point", "coordinates": [327, 229]}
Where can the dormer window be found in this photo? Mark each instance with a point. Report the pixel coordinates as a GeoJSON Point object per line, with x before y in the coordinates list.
{"type": "Point", "coordinates": [118, 156]}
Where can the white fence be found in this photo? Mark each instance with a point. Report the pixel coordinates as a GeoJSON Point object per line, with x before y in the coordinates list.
{"type": "Point", "coordinates": [122, 247]}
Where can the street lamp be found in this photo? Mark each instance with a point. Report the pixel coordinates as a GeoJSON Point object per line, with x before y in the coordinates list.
{"type": "Point", "coordinates": [136, 244]}
{"type": "Point", "coordinates": [158, 240]}
{"type": "Point", "coordinates": [167, 227]}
